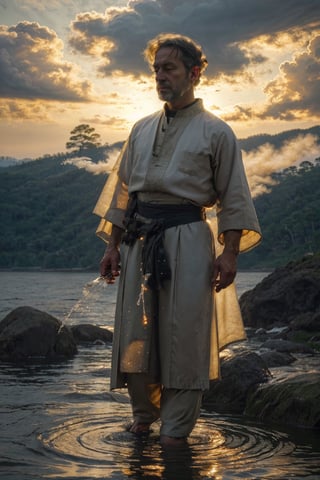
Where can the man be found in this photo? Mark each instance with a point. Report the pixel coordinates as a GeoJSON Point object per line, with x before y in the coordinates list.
{"type": "Point", "coordinates": [175, 164]}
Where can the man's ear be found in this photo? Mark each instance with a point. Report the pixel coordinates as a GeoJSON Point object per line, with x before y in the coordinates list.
{"type": "Point", "coordinates": [195, 73]}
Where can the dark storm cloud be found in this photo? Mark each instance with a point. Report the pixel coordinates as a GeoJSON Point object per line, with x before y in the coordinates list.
{"type": "Point", "coordinates": [294, 94]}
{"type": "Point", "coordinates": [32, 66]}
{"type": "Point", "coordinates": [220, 26]}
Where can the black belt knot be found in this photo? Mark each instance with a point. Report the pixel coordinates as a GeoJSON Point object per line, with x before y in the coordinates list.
{"type": "Point", "coordinates": [149, 221]}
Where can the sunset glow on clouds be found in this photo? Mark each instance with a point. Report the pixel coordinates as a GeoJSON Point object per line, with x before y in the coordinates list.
{"type": "Point", "coordinates": [68, 62]}
{"type": "Point", "coordinates": [32, 66]}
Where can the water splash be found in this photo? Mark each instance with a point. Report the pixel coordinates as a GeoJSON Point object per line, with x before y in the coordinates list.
{"type": "Point", "coordinates": [90, 305]}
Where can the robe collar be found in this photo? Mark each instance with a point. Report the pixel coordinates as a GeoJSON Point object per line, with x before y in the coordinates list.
{"type": "Point", "coordinates": [188, 111]}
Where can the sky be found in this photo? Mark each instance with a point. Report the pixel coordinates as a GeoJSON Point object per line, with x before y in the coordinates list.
{"type": "Point", "coordinates": [67, 62]}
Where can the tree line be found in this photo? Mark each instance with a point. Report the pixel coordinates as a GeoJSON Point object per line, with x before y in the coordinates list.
{"type": "Point", "coordinates": [289, 217]}
{"type": "Point", "coordinates": [47, 221]}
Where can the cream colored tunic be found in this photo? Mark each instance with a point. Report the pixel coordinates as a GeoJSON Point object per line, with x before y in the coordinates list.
{"type": "Point", "coordinates": [195, 159]}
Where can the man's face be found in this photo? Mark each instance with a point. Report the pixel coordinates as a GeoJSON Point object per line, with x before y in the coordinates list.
{"type": "Point", "coordinates": [174, 83]}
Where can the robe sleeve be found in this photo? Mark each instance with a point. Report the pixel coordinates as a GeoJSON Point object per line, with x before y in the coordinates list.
{"type": "Point", "coordinates": [112, 202]}
{"type": "Point", "coordinates": [234, 207]}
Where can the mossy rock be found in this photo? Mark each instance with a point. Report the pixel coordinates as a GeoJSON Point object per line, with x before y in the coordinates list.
{"type": "Point", "coordinates": [294, 401]}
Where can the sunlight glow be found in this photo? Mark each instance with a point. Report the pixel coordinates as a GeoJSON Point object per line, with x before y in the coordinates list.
{"type": "Point", "coordinates": [67, 63]}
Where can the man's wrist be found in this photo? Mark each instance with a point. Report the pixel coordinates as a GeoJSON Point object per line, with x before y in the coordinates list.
{"type": "Point", "coordinates": [115, 238]}
{"type": "Point", "coordinates": [111, 246]}
{"type": "Point", "coordinates": [232, 250]}
{"type": "Point", "coordinates": [232, 241]}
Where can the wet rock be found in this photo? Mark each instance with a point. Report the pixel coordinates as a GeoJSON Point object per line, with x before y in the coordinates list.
{"type": "Point", "coordinates": [287, 346]}
{"type": "Point", "coordinates": [251, 332]}
{"type": "Point", "coordinates": [247, 387]}
{"type": "Point", "coordinates": [294, 401]}
{"type": "Point", "coordinates": [278, 332]}
{"type": "Point", "coordinates": [315, 338]}
{"type": "Point", "coordinates": [277, 359]}
{"type": "Point", "coordinates": [288, 293]}
{"type": "Point", "coordinates": [87, 333]}
{"type": "Point", "coordinates": [260, 334]}
{"type": "Point", "coordinates": [308, 321]}
{"type": "Point", "coordinates": [30, 333]}
{"type": "Point", "coordinates": [239, 374]}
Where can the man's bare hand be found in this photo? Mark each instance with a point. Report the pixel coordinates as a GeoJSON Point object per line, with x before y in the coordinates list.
{"type": "Point", "coordinates": [225, 266]}
{"type": "Point", "coordinates": [224, 270]}
{"type": "Point", "coordinates": [110, 264]}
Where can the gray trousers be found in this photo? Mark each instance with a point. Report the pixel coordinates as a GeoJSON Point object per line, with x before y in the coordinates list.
{"type": "Point", "coordinates": [177, 409]}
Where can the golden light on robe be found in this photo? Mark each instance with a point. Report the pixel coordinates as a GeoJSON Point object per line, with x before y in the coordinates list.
{"type": "Point", "coordinates": [141, 300]}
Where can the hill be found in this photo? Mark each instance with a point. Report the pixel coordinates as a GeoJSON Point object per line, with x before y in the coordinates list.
{"type": "Point", "coordinates": [255, 141]}
{"type": "Point", "coordinates": [46, 215]}
{"type": "Point", "coordinates": [290, 220]}
{"type": "Point", "coordinates": [47, 221]}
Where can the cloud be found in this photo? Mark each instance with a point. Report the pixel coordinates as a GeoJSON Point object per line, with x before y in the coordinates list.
{"type": "Point", "coordinates": [32, 66]}
{"type": "Point", "coordinates": [48, 12]}
{"type": "Point", "coordinates": [261, 163]}
{"type": "Point", "coordinates": [116, 123]}
{"type": "Point", "coordinates": [293, 95]}
{"type": "Point", "coordinates": [92, 167]}
{"type": "Point", "coordinates": [119, 36]}
{"type": "Point", "coordinates": [23, 110]}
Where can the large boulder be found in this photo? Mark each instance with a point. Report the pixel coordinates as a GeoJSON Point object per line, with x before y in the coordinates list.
{"type": "Point", "coordinates": [239, 374]}
{"type": "Point", "coordinates": [86, 333]}
{"type": "Point", "coordinates": [30, 333]}
{"type": "Point", "coordinates": [247, 387]}
{"type": "Point", "coordinates": [277, 359]}
{"type": "Point", "coordinates": [294, 401]}
{"type": "Point", "coordinates": [288, 296]}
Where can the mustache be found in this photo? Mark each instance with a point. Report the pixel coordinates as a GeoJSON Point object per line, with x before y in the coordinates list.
{"type": "Point", "coordinates": [163, 83]}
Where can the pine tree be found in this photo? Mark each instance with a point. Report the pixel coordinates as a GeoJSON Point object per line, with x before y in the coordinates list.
{"type": "Point", "coordinates": [83, 139]}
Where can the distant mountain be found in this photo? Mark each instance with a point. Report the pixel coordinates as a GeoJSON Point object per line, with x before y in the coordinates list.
{"type": "Point", "coordinates": [47, 222]}
{"type": "Point", "coordinates": [11, 161]}
{"type": "Point", "coordinates": [255, 141]}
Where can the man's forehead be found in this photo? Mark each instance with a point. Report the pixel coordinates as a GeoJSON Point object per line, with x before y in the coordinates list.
{"type": "Point", "coordinates": [167, 55]}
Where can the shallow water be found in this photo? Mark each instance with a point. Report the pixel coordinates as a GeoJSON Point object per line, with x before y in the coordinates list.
{"type": "Point", "coordinates": [60, 421]}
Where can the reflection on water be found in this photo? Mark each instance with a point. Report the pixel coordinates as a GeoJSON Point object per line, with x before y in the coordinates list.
{"type": "Point", "coordinates": [87, 440]}
{"type": "Point", "coordinates": [60, 421]}
{"type": "Point", "coordinates": [219, 448]}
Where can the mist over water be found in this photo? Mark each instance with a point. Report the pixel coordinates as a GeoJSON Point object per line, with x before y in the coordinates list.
{"type": "Point", "coordinates": [60, 421]}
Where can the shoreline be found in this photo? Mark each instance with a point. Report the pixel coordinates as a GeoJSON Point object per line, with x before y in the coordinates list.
{"type": "Point", "coordinates": [39, 269]}
{"type": "Point", "coordinates": [92, 270]}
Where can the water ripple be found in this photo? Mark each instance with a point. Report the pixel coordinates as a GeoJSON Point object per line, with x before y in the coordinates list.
{"type": "Point", "coordinates": [219, 449]}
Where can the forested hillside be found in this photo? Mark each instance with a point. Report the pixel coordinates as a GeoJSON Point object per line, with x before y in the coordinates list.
{"type": "Point", "coordinates": [46, 215]}
{"type": "Point", "coordinates": [290, 219]}
{"type": "Point", "coordinates": [47, 221]}
{"type": "Point", "coordinates": [255, 141]}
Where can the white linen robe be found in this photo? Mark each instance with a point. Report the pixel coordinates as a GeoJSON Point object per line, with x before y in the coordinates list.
{"type": "Point", "coordinates": [195, 159]}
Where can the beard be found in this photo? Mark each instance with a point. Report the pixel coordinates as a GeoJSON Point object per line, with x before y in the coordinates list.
{"type": "Point", "coordinates": [167, 95]}
{"type": "Point", "coordinates": [171, 94]}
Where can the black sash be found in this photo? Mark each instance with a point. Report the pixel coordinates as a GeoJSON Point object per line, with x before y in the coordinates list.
{"type": "Point", "coordinates": [149, 221]}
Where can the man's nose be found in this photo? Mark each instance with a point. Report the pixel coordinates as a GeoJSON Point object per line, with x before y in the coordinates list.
{"type": "Point", "coordinates": [160, 75]}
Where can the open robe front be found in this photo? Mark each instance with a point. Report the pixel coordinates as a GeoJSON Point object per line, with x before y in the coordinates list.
{"type": "Point", "coordinates": [192, 159]}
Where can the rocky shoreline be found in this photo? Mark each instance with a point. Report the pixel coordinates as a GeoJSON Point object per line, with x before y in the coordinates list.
{"type": "Point", "coordinates": [258, 377]}
{"type": "Point", "coordinates": [275, 376]}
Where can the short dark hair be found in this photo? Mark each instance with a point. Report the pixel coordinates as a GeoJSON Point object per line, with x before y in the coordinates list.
{"type": "Point", "coordinates": [191, 52]}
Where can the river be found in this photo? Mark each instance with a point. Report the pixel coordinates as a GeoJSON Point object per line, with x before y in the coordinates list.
{"type": "Point", "coordinates": [60, 421]}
